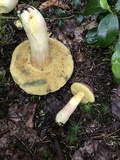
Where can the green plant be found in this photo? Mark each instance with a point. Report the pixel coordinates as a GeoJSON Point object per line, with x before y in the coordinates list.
{"type": "Point", "coordinates": [88, 108]}
{"type": "Point", "coordinates": [74, 130]}
{"type": "Point", "coordinates": [34, 3]}
{"type": "Point", "coordinates": [105, 108]}
{"type": "Point", "coordinates": [33, 98]}
{"type": "Point", "coordinates": [62, 15]}
{"type": "Point", "coordinates": [107, 33]}
{"type": "Point", "coordinates": [46, 154]}
{"type": "Point", "coordinates": [76, 4]}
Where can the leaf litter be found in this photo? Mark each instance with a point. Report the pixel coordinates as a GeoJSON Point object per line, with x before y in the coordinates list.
{"type": "Point", "coordinates": [115, 102]}
{"type": "Point", "coordinates": [55, 3]}
{"type": "Point", "coordinates": [95, 150]}
{"type": "Point", "coordinates": [28, 130]}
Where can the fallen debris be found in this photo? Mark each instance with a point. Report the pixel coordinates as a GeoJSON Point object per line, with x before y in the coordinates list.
{"type": "Point", "coordinates": [53, 3]}
{"type": "Point", "coordinates": [95, 150]}
{"type": "Point", "coordinates": [115, 102]}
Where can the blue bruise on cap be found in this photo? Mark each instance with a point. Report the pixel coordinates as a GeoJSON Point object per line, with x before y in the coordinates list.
{"type": "Point", "coordinates": [35, 83]}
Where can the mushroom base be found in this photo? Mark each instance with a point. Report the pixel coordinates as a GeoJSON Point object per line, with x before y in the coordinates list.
{"type": "Point", "coordinates": [41, 81]}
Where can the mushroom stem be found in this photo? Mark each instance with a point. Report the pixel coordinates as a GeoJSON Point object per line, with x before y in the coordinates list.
{"type": "Point", "coordinates": [64, 114]}
{"type": "Point", "coordinates": [7, 6]}
{"type": "Point", "coordinates": [36, 30]}
{"type": "Point", "coordinates": [82, 93]}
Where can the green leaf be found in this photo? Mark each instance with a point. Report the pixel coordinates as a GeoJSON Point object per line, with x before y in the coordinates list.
{"type": "Point", "coordinates": [116, 64]}
{"type": "Point", "coordinates": [117, 46]}
{"type": "Point", "coordinates": [104, 4]}
{"type": "Point", "coordinates": [101, 16]}
{"type": "Point", "coordinates": [117, 6]}
{"type": "Point", "coordinates": [91, 36]}
{"type": "Point", "coordinates": [60, 22]}
{"type": "Point", "coordinates": [93, 7]}
{"type": "Point", "coordinates": [79, 19]}
{"type": "Point", "coordinates": [117, 80]}
{"type": "Point", "coordinates": [60, 13]}
{"type": "Point", "coordinates": [43, 13]}
{"type": "Point", "coordinates": [107, 30]}
{"type": "Point", "coordinates": [76, 4]}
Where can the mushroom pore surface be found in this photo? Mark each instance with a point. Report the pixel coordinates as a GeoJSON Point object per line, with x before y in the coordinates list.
{"type": "Point", "coordinates": [87, 90]}
{"type": "Point", "coordinates": [42, 80]}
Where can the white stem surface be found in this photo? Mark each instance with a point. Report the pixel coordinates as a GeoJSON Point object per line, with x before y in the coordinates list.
{"type": "Point", "coordinates": [36, 30]}
{"type": "Point", "coordinates": [7, 6]}
{"type": "Point", "coordinates": [64, 114]}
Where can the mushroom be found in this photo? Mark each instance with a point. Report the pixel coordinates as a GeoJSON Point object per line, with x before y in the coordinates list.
{"type": "Point", "coordinates": [87, 90]}
{"type": "Point", "coordinates": [7, 6]}
{"type": "Point", "coordinates": [40, 65]}
{"type": "Point", "coordinates": [82, 93]}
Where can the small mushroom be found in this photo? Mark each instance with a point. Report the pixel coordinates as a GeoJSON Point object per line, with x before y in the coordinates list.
{"type": "Point", "coordinates": [87, 90]}
{"type": "Point", "coordinates": [82, 93]}
{"type": "Point", "coordinates": [7, 6]}
{"type": "Point", "coordinates": [40, 65]}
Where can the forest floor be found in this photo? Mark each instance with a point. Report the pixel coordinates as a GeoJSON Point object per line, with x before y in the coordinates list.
{"type": "Point", "coordinates": [28, 130]}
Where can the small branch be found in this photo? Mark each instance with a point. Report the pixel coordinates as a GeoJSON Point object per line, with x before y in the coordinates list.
{"type": "Point", "coordinates": [105, 135]}
{"type": "Point", "coordinates": [4, 132]}
{"type": "Point", "coordinates": [6, 17]}
{"type": "Point", "coordinates": [24, 145]}
{"type": "Point", "coordinates": [62, 18]}
{"type": "Point", "coordinates": [15, 18]}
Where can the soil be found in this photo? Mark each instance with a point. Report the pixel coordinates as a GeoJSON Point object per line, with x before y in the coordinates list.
{"type": "Point", "coordinates": [28, 130]}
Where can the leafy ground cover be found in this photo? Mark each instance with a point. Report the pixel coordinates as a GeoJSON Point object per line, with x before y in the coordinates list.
{"type": "Point", "coordinates": [27, 123]}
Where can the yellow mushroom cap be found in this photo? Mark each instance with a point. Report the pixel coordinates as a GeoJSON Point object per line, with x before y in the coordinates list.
{"type": "Point", "coordinates": [40, 81]}
{"type": "Point", "coordinates": [87, 90]}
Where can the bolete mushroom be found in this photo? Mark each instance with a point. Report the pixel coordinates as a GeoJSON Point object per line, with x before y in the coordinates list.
{"type": "Point", "coordinates": [7, 6]}
{"type": "Point", "coordinates": [40, 64]}
{"type": "Point", "coordinates": [87, 90]}
{"type": "Point", "coordinates": [82, 93]}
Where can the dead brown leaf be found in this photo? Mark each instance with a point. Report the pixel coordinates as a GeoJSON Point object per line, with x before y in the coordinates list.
{"type": "Point", "coordinates": [87, 25]}
{"type": "Point", "coordinates": [17, 133]}
{"type": "Point", "coordinates": [79, 56]}
{"type": "Point", "coordinates": [20, 6]}
{"type": "Point", "coordinates": [29, 122]}
{"type": "Point", "coordinates": [24, 114]}
{"type": "Point", "coordinates": [52, 3]}
{"type": "Point", "coordinates": [95, 150]}
{"type": "Point", "coordinates": [115, 102]}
